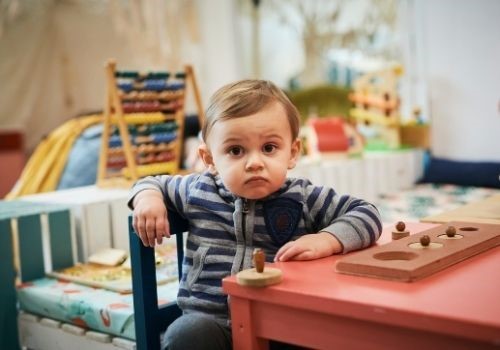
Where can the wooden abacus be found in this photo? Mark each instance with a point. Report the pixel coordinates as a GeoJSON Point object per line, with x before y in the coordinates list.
{"type": "Point", "coordinates": [143, 124]}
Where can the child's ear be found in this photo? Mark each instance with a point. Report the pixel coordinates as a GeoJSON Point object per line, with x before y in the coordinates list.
{"type": "Point", "coordinates": [295, 153]}
{"type": "Point", "coordinates": [206, 157]}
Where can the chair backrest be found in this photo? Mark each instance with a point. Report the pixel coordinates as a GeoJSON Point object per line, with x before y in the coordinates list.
{"type": "Point", "coordinates": [35, 238]}
{"type": "Point", "coordinates": [151, 319]}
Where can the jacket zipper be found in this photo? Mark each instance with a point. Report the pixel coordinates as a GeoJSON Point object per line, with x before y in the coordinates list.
{"type": "Point", "coordinates": [245, 210]}
{"type": "Point", "coordinates": [244, 218]}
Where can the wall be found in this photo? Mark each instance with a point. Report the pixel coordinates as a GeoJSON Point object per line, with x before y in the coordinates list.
{"type": "Point", "coordinates": [219, 59]}
{"type": "Point", "coordinates": [460, 58]}
{"type": "Point", "coordinates": [51, 65]}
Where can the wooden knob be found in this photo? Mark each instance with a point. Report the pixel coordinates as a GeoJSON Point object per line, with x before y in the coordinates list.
{"type": "Point", "coordinates": [425, 240]}
{"type": "Point", "coordinates": [258, 258]}
{"type": "Point", "coordinates": [451, 231]}
{"type": "Point", "coordinates": [400, 226]}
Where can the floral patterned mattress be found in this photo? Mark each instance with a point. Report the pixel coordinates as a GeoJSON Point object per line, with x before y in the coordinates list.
{"type": "Point", "coordinates": [427, 199]}
{"type": "Point", "coordinates": [88, 307]}
{"type": "Point", "coordinates": [98, 301]}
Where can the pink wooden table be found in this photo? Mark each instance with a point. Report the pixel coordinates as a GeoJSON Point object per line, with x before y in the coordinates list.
{"type": "Point", "coordinates": [457, 308]}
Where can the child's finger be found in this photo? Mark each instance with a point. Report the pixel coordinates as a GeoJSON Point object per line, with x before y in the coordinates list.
{"type": "Point", "coordinates": [139, 224]}
{"type": "Point", "coordinates": [305, 255]}
{"type": "Point", "coordinates": [288, 251]}
{"type": "Point", "coordinates": [167, 227]}
{"type": "Point", "coordinates": [160, 229]}
{"type": "Point", "coordinates": [135, 225]}
{"type": "Point", "coordinates": [151, 231]}
{"type": "Point", "coordinates": [298, 252]}
{"type": "Point", "coordinates": [280, 251]}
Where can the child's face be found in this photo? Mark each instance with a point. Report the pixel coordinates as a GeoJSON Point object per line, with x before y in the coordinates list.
{"type": "Point", "coordinates": [252, 154]}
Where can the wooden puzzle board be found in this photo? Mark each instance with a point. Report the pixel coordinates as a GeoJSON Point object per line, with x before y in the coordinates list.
{"type": "Point", "coordinates": [485, 211]}
{"type": "Point", "coordinates": [406, 260]}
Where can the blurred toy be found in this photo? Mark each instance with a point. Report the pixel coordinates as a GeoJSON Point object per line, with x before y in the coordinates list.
{"type": "Point", "coordinates": [376, 108]}
{"type": "Point", "coordinates": [416, 133]}
{"type": "Point", "coordinates": [417, 116]}
{"type": "Point", "coordinates": [332, 137]}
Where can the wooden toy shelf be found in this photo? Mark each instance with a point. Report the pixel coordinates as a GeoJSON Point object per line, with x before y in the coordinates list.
{"type": "Point", "coordinates": [143, 124]}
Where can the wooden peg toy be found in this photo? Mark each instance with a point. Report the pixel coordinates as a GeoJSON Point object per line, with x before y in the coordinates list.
{"type": "Point", "coordinates": [400, 232]}
{"type": "Point", "coordinates": [451, 231]}
{"type": "Point", "coordinates": [420, 255]}
{"type": "Point", "coordinates": [259, 276]}
{"type": "Point", "coordinates": [258, 259]}
{"type": "Point", "coordinates": [425, 240]}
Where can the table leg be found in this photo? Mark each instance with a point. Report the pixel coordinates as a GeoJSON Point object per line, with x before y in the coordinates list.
{"type": "Point", "coordinates": [244, 337]}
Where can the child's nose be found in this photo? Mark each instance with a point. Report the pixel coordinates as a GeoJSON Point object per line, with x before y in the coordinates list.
{"type": "Point", "coordinates": [254, 162]}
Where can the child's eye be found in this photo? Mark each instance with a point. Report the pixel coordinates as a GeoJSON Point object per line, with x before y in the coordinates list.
{"type": "Point", "coordinates": [269, 148]}
{"type": "Point", "coordinates": [235, 150]}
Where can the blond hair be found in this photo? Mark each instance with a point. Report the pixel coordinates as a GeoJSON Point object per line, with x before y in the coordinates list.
{"type": "Point", "coordinates": [246, 97]}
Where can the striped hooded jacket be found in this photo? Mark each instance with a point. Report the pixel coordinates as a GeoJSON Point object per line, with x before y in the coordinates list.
{"type": "Point", "coordinates": [224, 229]}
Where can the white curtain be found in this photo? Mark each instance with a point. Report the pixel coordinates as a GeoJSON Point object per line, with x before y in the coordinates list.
{"type": "Point", "coordinates": [52, 52]}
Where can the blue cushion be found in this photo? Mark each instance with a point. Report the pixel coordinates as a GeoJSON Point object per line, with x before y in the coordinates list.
{"type": "Point", "coordinates": [462, 173]}
{"type": "Point", "coordinates": [81, 165]}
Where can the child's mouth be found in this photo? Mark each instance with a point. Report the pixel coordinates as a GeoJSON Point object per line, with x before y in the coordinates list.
{"type": "Point", "coordinates": [255, 179]}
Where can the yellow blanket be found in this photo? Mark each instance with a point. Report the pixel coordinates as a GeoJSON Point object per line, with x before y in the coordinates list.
{"type": "Point", "coordinates": [45, 166]}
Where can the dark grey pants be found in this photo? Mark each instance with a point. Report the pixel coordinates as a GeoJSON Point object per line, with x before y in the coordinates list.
{"type": "Point", "coordinates": [197, 332]}
{"type": "Point", "coordinates": [200, 332]}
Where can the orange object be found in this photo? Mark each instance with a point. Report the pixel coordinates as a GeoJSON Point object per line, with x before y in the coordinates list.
{"type": "Point", "coordinates": [330, 134]}
{"type": "Point", "coordinates": [315, 307]}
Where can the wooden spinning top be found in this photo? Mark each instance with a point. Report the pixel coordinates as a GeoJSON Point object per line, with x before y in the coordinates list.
{"type": "Point", "coordinates": [259, 276]}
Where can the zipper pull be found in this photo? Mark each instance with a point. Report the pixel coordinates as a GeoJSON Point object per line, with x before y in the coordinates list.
{"type": "Point", "coordinates": [245, 206]}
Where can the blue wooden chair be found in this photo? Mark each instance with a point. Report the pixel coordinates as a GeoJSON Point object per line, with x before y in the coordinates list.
{"type": "Point", "coordinates": [151, 319]}
{"type": "Point", "coordinates": [22, 227]}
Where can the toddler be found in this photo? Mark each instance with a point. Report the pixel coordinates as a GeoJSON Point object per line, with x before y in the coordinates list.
{"type": "Point", "coordinates": [243, 201]}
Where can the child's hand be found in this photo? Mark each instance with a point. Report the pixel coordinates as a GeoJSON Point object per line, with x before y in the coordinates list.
{"type": "Point", "coordinates": [309, 247]}
{"type": "Point", "coordinates": [150, 217]}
